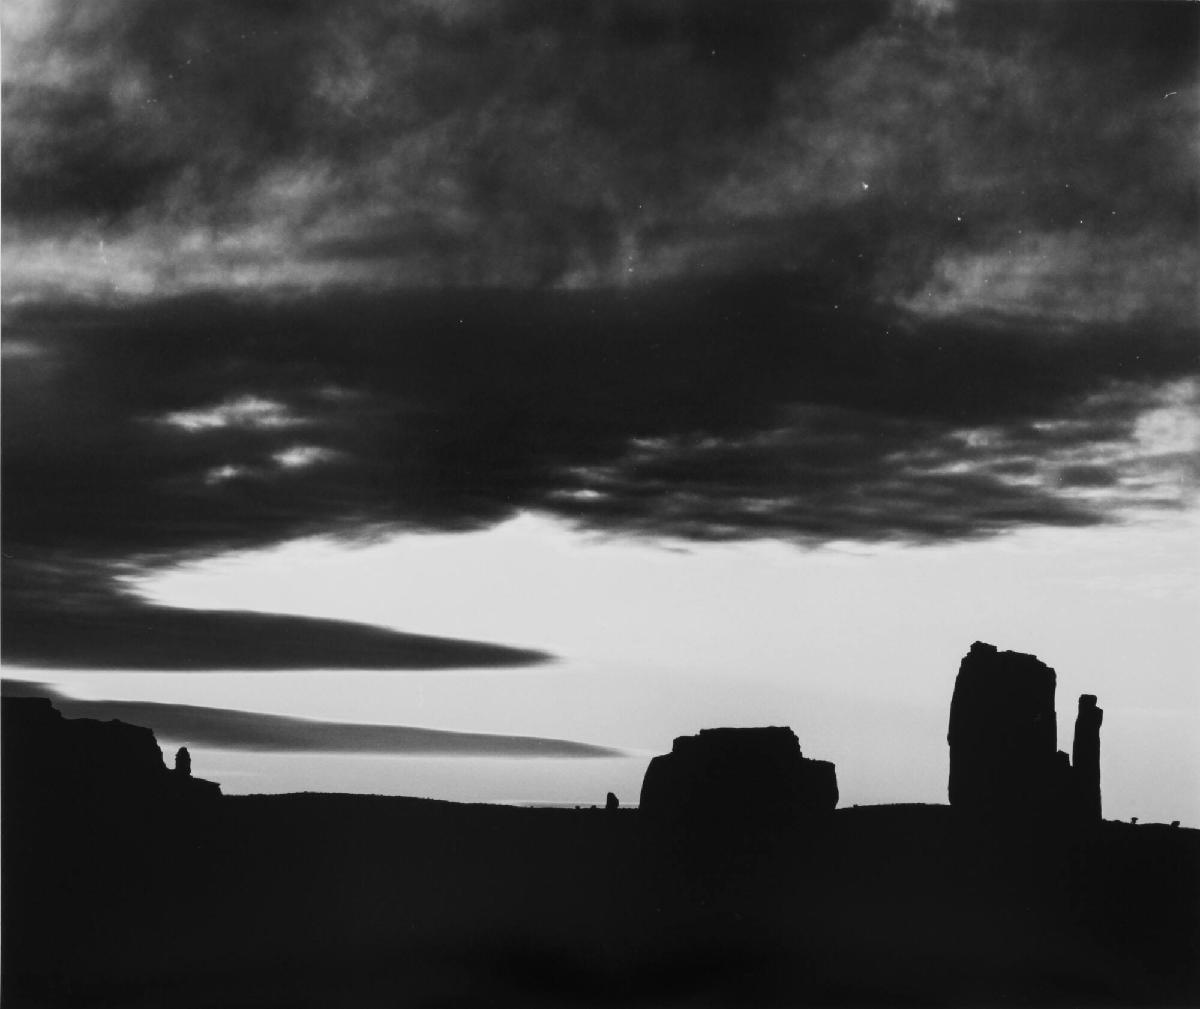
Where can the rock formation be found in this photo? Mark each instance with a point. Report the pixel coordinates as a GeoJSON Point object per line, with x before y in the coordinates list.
{"type": "Point", "coordinates": [1003, 736]}
{"type": "Point", "coordinates": [1085, 758]}
{"type": "Point", "coordinates": [106, 767]}
{"type": "Point", "coordinates": [1003, 733]}
{"type": "Point", "coordinates": [738, 774]}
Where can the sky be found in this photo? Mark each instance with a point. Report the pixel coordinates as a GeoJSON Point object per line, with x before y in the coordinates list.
{"type": "Point", "coordinates": [464, 399]}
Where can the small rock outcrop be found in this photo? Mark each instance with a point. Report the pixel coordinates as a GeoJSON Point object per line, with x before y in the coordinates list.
{"type": "Point", "coordinates": [756, 774]}
{"type": "Point", "coordinates": [1003, 737]}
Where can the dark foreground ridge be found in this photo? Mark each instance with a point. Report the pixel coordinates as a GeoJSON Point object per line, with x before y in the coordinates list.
{"type": "Point", "coordinates": [737, 883]}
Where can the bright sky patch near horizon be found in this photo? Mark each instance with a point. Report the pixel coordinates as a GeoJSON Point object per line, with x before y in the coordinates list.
{"type": "Point", "coordinates": [657, 640]}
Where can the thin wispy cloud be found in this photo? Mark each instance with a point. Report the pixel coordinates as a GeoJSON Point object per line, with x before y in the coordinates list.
{"type": "Point", "coordinates": [70, 613]}
{"type": "Point", "coordinates": [228, 729]}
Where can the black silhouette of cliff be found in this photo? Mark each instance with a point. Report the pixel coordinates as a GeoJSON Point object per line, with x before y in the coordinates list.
{"type": "Point", "coordinates": [1004, 758]}
{"type": "Point", "coordinates": [109, 768]}
{"type": "Point", "coordinates": [737, 775]}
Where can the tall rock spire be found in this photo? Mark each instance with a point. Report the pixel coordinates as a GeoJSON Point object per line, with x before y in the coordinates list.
{"type": "Point", "coordinates": [1085, 758]}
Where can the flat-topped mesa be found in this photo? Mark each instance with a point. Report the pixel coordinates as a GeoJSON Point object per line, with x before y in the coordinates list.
{"type": "Point", "coordinates": [1003, 736]}
{"type": "Point", "coordinates": [738, 774]}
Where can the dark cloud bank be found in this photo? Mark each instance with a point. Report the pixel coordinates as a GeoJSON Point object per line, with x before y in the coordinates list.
{"type": "Point", "coordinates": [1021, 155]}
{"type": "Point", "coordinates": [878, 272]}
{"type": "Point", "coordinates": [142, 436]}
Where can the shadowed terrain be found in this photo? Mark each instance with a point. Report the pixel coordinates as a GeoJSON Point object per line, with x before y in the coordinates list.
{"type": "Point", "coordinates": [117, 894]}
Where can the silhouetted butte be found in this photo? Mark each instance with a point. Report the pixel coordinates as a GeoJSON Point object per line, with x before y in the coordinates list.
{"type": "Point", "coordinates": [1003, 736]}
{"type": "Point", "coordinates": [738, 775]}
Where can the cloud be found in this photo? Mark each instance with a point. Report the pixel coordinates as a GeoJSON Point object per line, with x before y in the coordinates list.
{"type": "Point", "coordinates": [228, 729]}
{"type": "Point", "coordinates": [753, 408]}
{"type": "Point", "coordinates": [1066, 277]}
{"type": "Point", "coordinates": [72, 614]}
{"type": "Point", "coordinates": [288, 143]}
{"type": "Point", "coordinates": [246, 412]}
{"type": "Point", "coordinates": [936, 155]}
{"type": "Point", "coordinates": [916, 272]}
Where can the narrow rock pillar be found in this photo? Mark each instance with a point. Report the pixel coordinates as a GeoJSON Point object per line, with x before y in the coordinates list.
{"type": "Point", "coordinates": [1085, 758]}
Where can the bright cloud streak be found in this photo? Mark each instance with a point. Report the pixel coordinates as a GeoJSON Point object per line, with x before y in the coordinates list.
{"type": "Point", "coordinates": [247, 412]}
